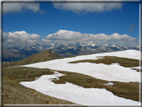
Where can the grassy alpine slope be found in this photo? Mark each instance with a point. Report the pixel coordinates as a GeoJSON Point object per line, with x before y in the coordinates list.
{"type": "Point", "coordinates": [39, 57]}
{"type": "Point", "coordinates": [15, 93]}
{"type": "Point", "coordinates": [125, 62]}
{"type": "Point", "coordinates": [121, 89]}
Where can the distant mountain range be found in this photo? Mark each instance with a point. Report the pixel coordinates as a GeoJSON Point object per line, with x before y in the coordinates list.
{"type": "Point", "coordinates": [16, 54]}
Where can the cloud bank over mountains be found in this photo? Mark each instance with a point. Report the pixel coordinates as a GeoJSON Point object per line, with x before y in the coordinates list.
{"type": "Point", "coordinates": [71, 35]}
{"type": "Point", "coordinates": [22, 38]}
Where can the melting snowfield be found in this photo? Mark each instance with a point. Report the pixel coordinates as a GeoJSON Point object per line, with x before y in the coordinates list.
{"type": "Point", "coordinates": [86, 96]}
{"type": "Point", "coordinates": [113, 72]}
{"type": "Point", "coordinates": [74, 93]}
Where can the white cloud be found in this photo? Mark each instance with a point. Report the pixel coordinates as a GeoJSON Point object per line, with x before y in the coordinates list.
{"type": "Point", "coordinates": [88, 7]}
{"type": "Point", "coordinates": [18, 7]}
{"type": "Point", "coordinates": [20, 38]}
{"type": "Point", "coordinates": [77, 36]}
{"type": "Point", "coordinates": [64, 35]}
{"type": "Point", "coordinates": [46, 42]}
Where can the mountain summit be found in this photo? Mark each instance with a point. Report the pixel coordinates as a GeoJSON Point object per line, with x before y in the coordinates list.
{"type": "Point", "coordinates": [40, 57]}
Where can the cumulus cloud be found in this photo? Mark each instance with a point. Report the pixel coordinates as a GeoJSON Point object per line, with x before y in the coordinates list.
{"type": "Point", "coordinates": [87, 7]}
{"type": "Point", "coordinates": [72, 35]}
{"type": "Point", "coordinates": [64, 35]}
{"type": "Point", "coordinates": [18, 7]}
{"type": "Point", "coordinates": [46, 42]}
{"type": "Point", "coordinates": [20, 38]}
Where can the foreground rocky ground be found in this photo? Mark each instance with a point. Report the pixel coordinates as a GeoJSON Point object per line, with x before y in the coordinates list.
{"type": "Point", "coordinates": [14, 93]}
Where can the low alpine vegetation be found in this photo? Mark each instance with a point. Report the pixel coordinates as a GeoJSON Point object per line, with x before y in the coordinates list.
{"type": "Point", "coordinates": [125, 62]}
{"type": "Point", "coordinates": [122, 89]}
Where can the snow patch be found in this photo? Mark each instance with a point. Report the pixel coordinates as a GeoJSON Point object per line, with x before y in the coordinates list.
{"type": "Point", "coordinates": [81, 95]}
{"type": "Point", "coordinates": [139, 67]}
{"type": "Point", "coordinates": [113, 72]}
{"type": "Point", "coordinates": [110, 83]}
{"type": "Point", "coordinates": [76, 94]}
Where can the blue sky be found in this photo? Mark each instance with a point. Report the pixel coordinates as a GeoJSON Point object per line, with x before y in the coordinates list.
{"type": "Point", "coordinates": [123, 20]}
